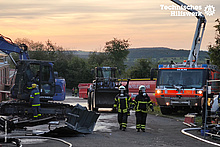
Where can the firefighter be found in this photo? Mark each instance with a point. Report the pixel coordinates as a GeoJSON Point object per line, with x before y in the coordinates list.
{"type": "Point", "coordinates": [142, 103]}
{"type": "Point", "coordinates": [35, 101]}
{"type": "Point", "coordinates": [122, 103]}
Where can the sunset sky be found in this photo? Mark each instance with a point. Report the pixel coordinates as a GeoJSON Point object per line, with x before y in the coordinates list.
{"type": "Point", "coordinates": [87, 24]}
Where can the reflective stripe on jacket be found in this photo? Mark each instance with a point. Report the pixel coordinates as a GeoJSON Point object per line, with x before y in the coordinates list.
{"type": "Point", "coordinates": [122, 103]}
{"type": "Point", "coordinates": [142, 103]}
{"type": "Point", "coordinates": [35, 97]}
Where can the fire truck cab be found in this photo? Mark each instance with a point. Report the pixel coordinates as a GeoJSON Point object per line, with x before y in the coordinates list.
{"type": "Point", "coordinates": [180, 86]}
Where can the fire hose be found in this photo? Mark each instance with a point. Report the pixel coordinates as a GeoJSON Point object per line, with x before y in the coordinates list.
{"type": "Point", "coordinates": [198, 138]}
{"type": "Point", "coordinates": [38, 137]}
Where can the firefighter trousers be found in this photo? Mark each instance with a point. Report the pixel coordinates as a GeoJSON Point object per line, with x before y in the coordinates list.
{"type": "Point", "coordinates": [122, 119]}
{"type": "Point", "coordinates": [36, 112]}
{"type": "Point", "coordinates": [141, 118]}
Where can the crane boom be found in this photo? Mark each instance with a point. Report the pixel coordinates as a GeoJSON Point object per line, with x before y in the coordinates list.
{"type": "Point", "coordinates": [200, 28]}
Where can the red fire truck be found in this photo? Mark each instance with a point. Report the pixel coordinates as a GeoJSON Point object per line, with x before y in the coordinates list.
{"type": "Point", "coordinates": [179, 86]}
{"type": "Point", "coordinates": [149, 84]}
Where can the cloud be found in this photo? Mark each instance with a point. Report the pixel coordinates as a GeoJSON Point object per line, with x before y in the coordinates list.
{"type": "Point", "coordinates": [96, 21]}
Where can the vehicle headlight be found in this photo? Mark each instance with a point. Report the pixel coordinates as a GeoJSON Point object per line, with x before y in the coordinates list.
{"type": "Point", "coordinates": [158, 91]}
{"type": "Point", "coordinates": [200, 92]}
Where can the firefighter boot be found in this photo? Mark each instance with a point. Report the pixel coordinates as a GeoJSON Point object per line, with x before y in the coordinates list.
{"type": "Point", "coordinates": [123, 129]}
{"type": "Point", "coordinates": [138, 130]}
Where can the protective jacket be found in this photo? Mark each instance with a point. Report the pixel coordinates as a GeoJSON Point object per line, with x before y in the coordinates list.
{"type": "Point", "coordinates": [122, 103]}
{"type": "Point", "coordinates": [35, 97]}
{"type": "Point", "coordinates": [142, 103]}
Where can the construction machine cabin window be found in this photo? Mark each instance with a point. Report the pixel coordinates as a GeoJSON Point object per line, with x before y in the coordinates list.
{"type": "Point", "coordinates": [47, 81]}
{"type": "Point", "coordinates": [188, 78]}
{"type": "Point", "coordinates": [104, 72]}
{"type": "Point", "coordinates": [42, 76]}
{"type": "Point", "coordinates": [34, 73]}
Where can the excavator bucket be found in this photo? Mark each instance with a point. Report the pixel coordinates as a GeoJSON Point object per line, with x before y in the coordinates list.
{"type": "Point", "coordinates": [81, 120]}
{"type": "Point", "coordinates": [78, 120]}
{"type": "Point", "coordinates": [105, 99]}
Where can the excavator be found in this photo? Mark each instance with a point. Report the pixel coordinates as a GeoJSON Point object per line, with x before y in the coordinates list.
{"type": "Point", "coordinates": [51, 89]}
{"type": "Point", "coordinates": [32, 71]}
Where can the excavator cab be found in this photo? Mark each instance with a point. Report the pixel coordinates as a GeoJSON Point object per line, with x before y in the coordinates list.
{"type": "Point", "coordinates": [33, 71]}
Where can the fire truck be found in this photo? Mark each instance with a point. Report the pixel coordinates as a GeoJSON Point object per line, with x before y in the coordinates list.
{"type": "Point", "coordinates": [179, 86]}
{"type": "Point", "coordinates": [134, 85]}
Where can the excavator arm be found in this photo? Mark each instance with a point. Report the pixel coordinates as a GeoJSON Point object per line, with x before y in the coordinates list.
{"type": "Point", "coordinates": [7, 46]}
{"type": "Point", "coordinates": [200, 28]}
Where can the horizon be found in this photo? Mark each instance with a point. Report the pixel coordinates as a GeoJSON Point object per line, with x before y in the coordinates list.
{"type": "Point", "coordinates": [87, 25]}
{"type": "Point", "coordinates": [74, 50]}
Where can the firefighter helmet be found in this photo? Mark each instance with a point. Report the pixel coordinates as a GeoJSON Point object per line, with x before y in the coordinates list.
{"type": "Point", "coordinates": [34, 85]}
{"type": "Point", "coordinates": [122, 88]}
{"type": "Point", "coordinates": [142, 88]}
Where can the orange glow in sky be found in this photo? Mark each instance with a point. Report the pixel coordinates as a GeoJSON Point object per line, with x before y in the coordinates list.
{"type": "Point", "coordinates": [87, 24]}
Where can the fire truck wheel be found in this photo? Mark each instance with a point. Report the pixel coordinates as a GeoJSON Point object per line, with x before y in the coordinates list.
{"type": "Point", "coordinates": [165, 111]}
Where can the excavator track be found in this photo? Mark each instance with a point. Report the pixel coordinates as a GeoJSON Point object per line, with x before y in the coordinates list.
{"type": "Point", "coordinates": [24, 109]}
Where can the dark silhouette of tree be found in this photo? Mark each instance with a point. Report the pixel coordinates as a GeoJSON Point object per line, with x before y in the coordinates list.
{"type": "Point", "coordinates": [214, 50]}
{"type": "Point", "coordinates": [141, 69]}
{"type": "Point", "coordinates": [117, 52]}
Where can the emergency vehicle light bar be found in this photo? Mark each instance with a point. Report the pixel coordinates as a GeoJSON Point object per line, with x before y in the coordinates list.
{"type": "Point", "coordinates": [204, 66]}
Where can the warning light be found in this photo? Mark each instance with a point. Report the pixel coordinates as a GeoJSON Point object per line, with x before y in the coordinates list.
{"type": "Point", "coordinates": [184, 61]}
{"type": "Point", "coordinates": [167, 103]}
{"type": "Point", "coordinates": [204, 65]}
{"type": "Point", "coordinates": [196, 104]}
{"type": "Point", "coordinates": [193, 60]}
{"type": "Point", "coordinates": [160, 66]}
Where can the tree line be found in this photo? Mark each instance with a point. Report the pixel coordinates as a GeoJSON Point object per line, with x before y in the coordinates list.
{"type": "Point", "coordinates": [78, 70]}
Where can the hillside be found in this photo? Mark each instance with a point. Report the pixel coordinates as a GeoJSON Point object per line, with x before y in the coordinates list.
{"type": "Point", "coordinates": [163, 55]}
{"type": "Point", "coordinates": [156, 54]}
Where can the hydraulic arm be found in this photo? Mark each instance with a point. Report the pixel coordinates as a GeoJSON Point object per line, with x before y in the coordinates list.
{"type": "Point", "coordinates": [7, 46]}
{"type": "Point", "coordinates": [200, 28]}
